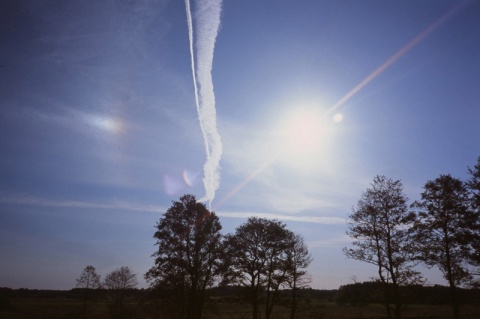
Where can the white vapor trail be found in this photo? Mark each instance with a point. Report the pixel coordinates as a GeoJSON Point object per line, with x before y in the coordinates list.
{"type": "Point", "coordinates": [202, 33]}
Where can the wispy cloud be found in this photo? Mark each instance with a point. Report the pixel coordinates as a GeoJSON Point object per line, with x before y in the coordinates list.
{"type": "Point", "coordinates": [336, 241]}
{"type": "Point", "coordinates": [326, 220]}
{"type": "Point", "coordinates": [203, 28]}
{"type": "Point", "coordinates": [35, 201]}
{"type": "Point", "coordinates": [122, 205]}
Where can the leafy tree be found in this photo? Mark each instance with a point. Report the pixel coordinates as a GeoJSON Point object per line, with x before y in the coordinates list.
{"type": "Point", "coordinates": [118, 282]}
{"type": "Point", "coordinates": [257, 255]}
{"type": "Point", "coordinates": [89, 280]}
{"type": "Point", "coordinates": [380, 226]}
{"type": "Point", "coordinates": [297, 260]}
{"type": "Point", "coordinates": [189, 256]}
{"type": "Point", "coordinates": [444, 227]}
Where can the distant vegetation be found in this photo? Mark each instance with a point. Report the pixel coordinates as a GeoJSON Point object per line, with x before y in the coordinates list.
{"type": "Point", "coordinates": [352, 301]}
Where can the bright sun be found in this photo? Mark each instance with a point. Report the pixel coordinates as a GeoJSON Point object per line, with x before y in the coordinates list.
{"type": "Point", "coordinates": [303, 139]}
{"type": "Point", "coordinates": [303, 132]}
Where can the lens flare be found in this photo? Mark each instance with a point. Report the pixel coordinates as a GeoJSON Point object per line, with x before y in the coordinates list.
{"type": "Point", "coordinates": [104, 123]}
{"type": "Point", "coordinates": [400, 53]}
{"type": "Point", "coordinates": [337, 118]}
{"type": "Point", "coordinates": [190, 178]}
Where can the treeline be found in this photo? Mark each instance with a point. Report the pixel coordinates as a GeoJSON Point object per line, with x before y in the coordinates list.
{"type": "Point", "coordinates": [372, 292]}
{"type": "Point", "coordinates": [75, 293]}
{"type": "Point", "coordinates": [356, 294]}
{"type": "Point", "coordinates": [361, 294]}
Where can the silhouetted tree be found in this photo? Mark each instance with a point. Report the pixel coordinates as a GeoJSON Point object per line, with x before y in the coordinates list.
{"type": "Point", "coordinates": [380, 226]}
{"type": "Point", "coordinates": [444, 227]}
{"type": "Point", "coordinates": [473, 187]}
{"type": "Point", "coordinates": [257, 253]}
{"type": "Point", "coordinates": [189, 255]}
{"type": "Point", "coordinates": [89, 280]}
{"type": "Point", "coordinates": [297, 260]}
{"type": "Point", "coordinates": [118, 282]}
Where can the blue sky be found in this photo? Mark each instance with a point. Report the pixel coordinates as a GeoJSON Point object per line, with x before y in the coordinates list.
{"type": "Point", "coordinates": [99, 129]}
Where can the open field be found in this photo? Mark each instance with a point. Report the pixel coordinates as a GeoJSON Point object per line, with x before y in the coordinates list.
{"type": "Point", "coordinates": [68, 308]}
{"type": "Point", "coordinates": [324, 310]}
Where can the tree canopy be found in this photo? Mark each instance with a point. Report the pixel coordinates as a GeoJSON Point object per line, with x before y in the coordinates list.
{"type": "Point", "coordinates": [444, 227]}
{"type": "Point", "coordinates": [189, 256]}
{"type": "Point", "coordinates": [263, 255]}
{"type": "Point", "coordinates": [379, 225]}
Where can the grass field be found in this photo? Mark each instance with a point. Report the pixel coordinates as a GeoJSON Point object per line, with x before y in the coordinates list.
{"type": "Point", "coordinates": [330, 310]}
{"type": "Point", "coordinates": [68, 308]}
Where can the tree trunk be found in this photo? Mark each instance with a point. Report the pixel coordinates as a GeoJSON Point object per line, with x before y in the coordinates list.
{"type": "Point", "coordinates": [397, 300]}
{"type": "Point", "coordinates": [398, 303]}
{"type": "Point", "coordinates": [387, 300]}
{"type": "Point", "coordinates": [85, 298]}
{"type": "Point", "coordinates": [254, 301]}
{"type": "Point", "coordinates": [255, 310]}
{"type": "Point", "coordinates": [268, 304]}
{"type": "Point", "coordinates": [293, 309]}
{"type": "Point", "coordinates": [454, 300]}
{"type": "Point", "coordinates": [191, 311]}
{"type": "Point", "coordinates": [386, 292]}
{"type": "Point", "coordinates": [199, 305]}
{"type": "Point", "coordinates": [451, 281]}
{"type": "Point", "coordinates": [272, 296]}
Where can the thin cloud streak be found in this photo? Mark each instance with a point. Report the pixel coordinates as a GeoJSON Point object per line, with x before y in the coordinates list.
{"type": "Point", "coordinates": [334, 242]}
{"type": "Point", "coordinates": [34, 201]}
{"type": "Point", "coordinates": [202, 34]}
{"type": "Point", "coordinates": [325, 220]}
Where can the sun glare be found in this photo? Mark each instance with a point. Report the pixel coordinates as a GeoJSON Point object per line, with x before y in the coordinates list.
{"type": "Point", "coordinates": [303, 139]}
{"type": "Point", "coordinates": [303, 132]}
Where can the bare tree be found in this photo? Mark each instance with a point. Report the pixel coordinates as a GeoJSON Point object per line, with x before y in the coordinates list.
{"type": "Point", "coordinates": [444, 228]}
{"type": "Point", "coordinates": [257, 256]}
{"type": "Point", "coordinates": [118, 282]}
{"type": "Point", "coordinates": [297, 261]}
{"type": "Point", "coordinates": [473, 187]}
{"type": "Point", "coordinates": [189, 256]}
{"type": "Point", "coordinates": [89, 280]}
{"type": "Point", "coordinates": [380, 226]}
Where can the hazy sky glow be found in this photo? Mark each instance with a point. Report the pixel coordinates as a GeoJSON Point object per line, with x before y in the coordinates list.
{"type": "Point", "coordinates": [300, 105]}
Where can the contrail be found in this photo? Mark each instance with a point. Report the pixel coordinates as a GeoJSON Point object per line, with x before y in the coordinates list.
{"type": "Point", "coordinates": [206, 24]}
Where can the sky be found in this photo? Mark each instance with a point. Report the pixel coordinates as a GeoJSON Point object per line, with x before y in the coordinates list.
{"type": "Point", "coordinates": [287, 109]}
